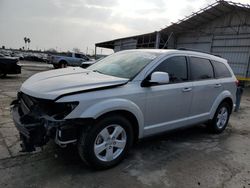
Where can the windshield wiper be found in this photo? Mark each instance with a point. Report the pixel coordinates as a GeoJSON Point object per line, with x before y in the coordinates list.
{"type": "Point", "coordinates": [97, 71]}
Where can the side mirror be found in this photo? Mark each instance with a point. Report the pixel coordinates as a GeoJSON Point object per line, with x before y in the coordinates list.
{"type": "Point", "coordinates": [159, 78]}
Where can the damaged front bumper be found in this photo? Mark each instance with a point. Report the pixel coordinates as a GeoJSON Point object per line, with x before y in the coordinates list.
{"type": "Point", "coordinates": [37, 128]}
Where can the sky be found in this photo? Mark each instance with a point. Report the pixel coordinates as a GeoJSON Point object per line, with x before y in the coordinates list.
{"type": "Point", "coordinates": [67, 24]}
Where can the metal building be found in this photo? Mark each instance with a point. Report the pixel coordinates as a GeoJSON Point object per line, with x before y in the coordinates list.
{"type": "Point", "coordinates": [222, 28]}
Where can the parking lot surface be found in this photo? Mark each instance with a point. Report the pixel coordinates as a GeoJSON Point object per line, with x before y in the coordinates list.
{"type": "Point", "coordinates": [185, 158]}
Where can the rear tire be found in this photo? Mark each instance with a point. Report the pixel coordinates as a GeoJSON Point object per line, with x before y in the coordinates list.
{"type": "Point", "coordinates": [107, 143]}
{"type": "Point", "coordinates": [62, 64]}
{"type": "Point", "coordinates": [220, 120]}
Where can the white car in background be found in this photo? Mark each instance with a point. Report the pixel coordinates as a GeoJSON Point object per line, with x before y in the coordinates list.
{"type": "Point", "coordinates": [86, 64]}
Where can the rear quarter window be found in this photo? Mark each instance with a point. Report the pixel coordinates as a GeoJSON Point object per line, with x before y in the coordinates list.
{"type": "Point", "coordinates": [221, 70]}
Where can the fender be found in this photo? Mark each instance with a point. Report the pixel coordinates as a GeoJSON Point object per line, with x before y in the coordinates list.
{"type": "Point", "coordinates": [219, 99]}
{"type": "Point", "coordinates": [110, 105]}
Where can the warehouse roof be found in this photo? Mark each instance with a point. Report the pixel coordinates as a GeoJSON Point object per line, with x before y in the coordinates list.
{"type": "Point", "coordinates": [110, 44]}
{"type": "Point", "coordinates": [207, 14]}
{"type": "Point", "coordinates": [204, 15]}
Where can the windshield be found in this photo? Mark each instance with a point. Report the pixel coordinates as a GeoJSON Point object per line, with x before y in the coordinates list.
{"type": "Point", "coordinates": [124, 65]}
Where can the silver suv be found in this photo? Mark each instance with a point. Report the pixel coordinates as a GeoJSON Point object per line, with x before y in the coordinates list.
{"type": "Point", "coordinates": [124, 97]}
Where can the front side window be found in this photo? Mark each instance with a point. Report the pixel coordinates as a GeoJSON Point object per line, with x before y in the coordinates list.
{"type": "Point", "coordinates": [69, 54]}
{"type": "Point", "coordinates": [220, 69]}
{"type": "Point", "coordinates": [176, 67]}
{"type": "Point", "coordinates": [124, 65]}
{"type": "Point", "coordinates": [201, 69]}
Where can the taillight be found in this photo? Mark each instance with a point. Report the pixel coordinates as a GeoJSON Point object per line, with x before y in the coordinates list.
{"type": "Point", "coordinates": [237, 82]}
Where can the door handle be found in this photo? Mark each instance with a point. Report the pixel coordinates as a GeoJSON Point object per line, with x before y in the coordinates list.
{"type": "Point", "coordinates": [217, 85]}
{"type": "Point", "coordinates": [188, 89]}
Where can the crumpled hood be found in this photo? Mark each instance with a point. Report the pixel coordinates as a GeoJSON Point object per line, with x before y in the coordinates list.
{"type": "Point", "coordinates": [54, 83]}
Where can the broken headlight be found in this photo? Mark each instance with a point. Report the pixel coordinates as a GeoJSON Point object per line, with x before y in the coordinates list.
{"type": "Point", "coordinates": [58, 110]}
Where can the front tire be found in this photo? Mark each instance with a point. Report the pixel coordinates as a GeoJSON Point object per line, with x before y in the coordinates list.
{"type": "Point", "coordinates": [55, 66]}
{"type": "Point", "coordinates": [220, 120]}
{"type": "Point", "coordinates": [3, 75]}
{"type": "Point", "coordinates": [107, 143]}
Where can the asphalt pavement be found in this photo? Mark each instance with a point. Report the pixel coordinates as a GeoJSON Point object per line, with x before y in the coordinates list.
{"type": "Point", "coordinates": [185, 158]}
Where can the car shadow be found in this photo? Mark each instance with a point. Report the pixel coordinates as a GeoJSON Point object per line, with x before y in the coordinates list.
{"type": "Point", "coordinates": [9, 77]}
{"type": "Point", "coordinates": [182, 134]}
{"type": "Point", "coordinates": [69, 155]}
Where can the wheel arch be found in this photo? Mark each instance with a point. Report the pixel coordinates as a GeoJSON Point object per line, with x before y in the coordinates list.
{"type": "Point", "coordinates": [229, 101]}
{"type": "Point", "coordinates": [123, 107]}
{"type": "Point", "coordinates": [129, 116]}
{"type": "Point", "coordinates": [62, 61]}
{"type": "Point", "coordinates": [225, 96]}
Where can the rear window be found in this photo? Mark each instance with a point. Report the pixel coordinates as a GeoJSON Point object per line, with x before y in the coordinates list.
{"type": "Point", "coordinates": [201, 69]}
{"type": "Point", "coordinates": [221, 70]}
{"type": "Point", "coordinates": [68, 54]}
{"type": "Point", "coordinates": [78, 55]}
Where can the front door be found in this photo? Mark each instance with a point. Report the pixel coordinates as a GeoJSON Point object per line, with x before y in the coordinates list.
{"type": "Point", "coordinates": [168, 105]}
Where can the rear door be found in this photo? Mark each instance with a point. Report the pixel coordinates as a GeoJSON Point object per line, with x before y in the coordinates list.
{"type": "Point", "coordinates": [205, 87]}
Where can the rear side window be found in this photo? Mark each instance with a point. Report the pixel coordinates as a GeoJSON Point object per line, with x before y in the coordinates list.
{"type": "Point", "coordinates": [201, 69]}
{"type": "Point", "coordinates": [176, 67]}
{"type": "Point", "coordinates": [78, 55]}
{"type": "Point", "coordinates": [221, 70]}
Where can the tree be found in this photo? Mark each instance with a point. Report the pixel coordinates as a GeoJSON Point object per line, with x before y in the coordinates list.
{"type": "Point", "coordinates": [52, 50]}
{"type": "Point", "coordinates": [25, 41]}
{"type": "Point", "coordinates": [76, 50]}
{"type": "Point", "coordinates": [28, 40]}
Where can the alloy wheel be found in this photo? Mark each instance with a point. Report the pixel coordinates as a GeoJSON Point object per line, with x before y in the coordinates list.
{"type": "Point", "coordinates": [222, 117]}
{"type": "Point", "coordinates": [110, 143]}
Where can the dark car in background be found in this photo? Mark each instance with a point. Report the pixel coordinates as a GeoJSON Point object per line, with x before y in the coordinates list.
{"type": "Point", "coordinates": [8, 65]}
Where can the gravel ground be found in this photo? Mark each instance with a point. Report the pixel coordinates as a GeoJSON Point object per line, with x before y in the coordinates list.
{"type": "Point", "coordinates": [184, 158]}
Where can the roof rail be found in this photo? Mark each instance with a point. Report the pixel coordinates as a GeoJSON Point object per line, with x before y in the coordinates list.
{"type": "Point", "coordinates": [195, 50]}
